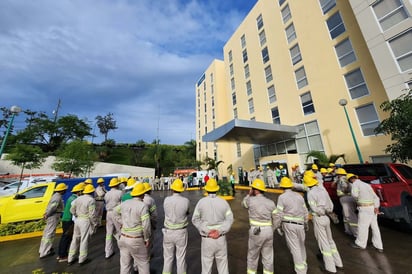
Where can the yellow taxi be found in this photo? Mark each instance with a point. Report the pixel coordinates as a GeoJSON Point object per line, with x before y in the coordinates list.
{"type": "Point", "coordinates": [29, 204]}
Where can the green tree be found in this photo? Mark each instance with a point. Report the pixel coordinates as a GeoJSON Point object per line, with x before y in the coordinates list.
{"type": "Point", "coordinates": [26, 156]}
{"type": "Point", "coordinates": [76, 158]}
{"type": "Point", "coordinates": [322, 159]}
{"type": "Point", "coordinates": [399, 126]}
{"type": "Point", "coordinates": [106, 124]}
{"type": "Point", "coordinates": [50, 133]}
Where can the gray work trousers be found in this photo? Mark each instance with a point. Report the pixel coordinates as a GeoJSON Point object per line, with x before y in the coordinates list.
{"type": "Point", "coordinates": [295, 240]}
{"type": "Point", "coordinates": [350, 218]}
{"type": "Point", "coordinates": [81, 235]}
{"type": "Point", "coordinates": [368, 218]}
{"type": "Point", "coordinates": [260, 244]}
{"type": "Point", "coordinates": [323, 234]}
{"type": "Point", "coordinates": [174, 240]}
{"type": "Point", "coordinates": [49, 232]}
{"type": "Point", "coordinates": [133, 256]}
{"type": "Point", "coordinates": [112, 231]}
{"type": "Point", "coordinates": [99, 212]}
{"type": "Point", "coordinates": [214, 249]}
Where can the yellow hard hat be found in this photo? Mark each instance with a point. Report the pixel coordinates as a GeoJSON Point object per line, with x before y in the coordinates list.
{"type": "Point", "coordinates": [147, 186]}
{"type": "Point", "coordinates": [340, 171]}
{"type": "Point", "coordinates": [329, 169]}
{"type": "Point", "coordinates": [285, 182]}
{"type": "Point", "coordinates": [323, 170]}
{"type": "Point", "coordinates": [138, 190]}
{"type": "Point", "coordinates": [314, 167]}
{"type": "Point", "coordinates": [82, 185]}
{"type": "Point", "coordinates": [77, 188]}
{"type": "Point", "coordinates": [309, 173]}
{"type": "Point", "coordinates": [131, 182]}
{"type": "Point", "coordinates": [177, 185]}
{"type": "Point", "coordinates": [309, 181]}
{"type": "Point", "coordinates": [259, 185]}
{"type": "Point", "coordinates": [114, 182]}
{"type": "Point", "coordinates": [61, 187]}
{"type": "Point", "coordinates": [211, 185]}
{"type": "Point", "coordinates": [89, 181]}
{"type": "Point", "coordinates": [88, 189]}
{"type": "Point", "coordinates": [331, 164]}
{"type": "Point", "coordinates": [350, 176]}
{"type": "Point", "coordinates": [100, 180]}
{"type": "Point", "coordinates": [280, 166]}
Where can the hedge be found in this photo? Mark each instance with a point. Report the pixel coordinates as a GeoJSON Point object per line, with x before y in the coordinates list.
{"type": "Point", "coordinates": [22, 227]}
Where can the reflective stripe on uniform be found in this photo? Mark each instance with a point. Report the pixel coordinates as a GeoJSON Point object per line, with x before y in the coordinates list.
{"type": "Point", "coordinates": [259, 223]}
{"type": "Point", "coordinates": [175, 226]}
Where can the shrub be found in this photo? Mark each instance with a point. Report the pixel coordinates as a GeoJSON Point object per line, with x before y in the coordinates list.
{"type": "Point", "coordinates": [22, 227]}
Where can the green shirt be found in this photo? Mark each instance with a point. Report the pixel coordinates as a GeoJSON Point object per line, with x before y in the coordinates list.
{"type": "Point", "coordinates": [126, 196]}
{"type": "Point", "coordinates": [67, 215]}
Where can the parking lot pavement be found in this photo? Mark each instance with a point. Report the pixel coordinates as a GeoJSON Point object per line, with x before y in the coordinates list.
{"type": "Point", "coordinates": [22, 256]}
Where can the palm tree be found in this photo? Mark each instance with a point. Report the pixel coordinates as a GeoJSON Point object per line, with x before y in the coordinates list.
{"type": "Point", "coordinates": [323, 159]}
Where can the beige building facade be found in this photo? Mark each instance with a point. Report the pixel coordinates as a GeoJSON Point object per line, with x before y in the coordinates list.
{"type": "Point", "coordinates": [278, 92]}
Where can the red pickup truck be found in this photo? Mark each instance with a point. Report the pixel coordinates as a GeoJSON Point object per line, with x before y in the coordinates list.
{"type": "Point", "coordinates": [392, 183]}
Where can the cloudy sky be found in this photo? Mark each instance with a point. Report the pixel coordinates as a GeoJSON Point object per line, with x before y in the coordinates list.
{"type": "Point", "coordinates": [138, 59]}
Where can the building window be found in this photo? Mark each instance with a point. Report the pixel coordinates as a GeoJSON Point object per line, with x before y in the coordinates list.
{"type": "Point", "coordinates": [262, 38]}
{"type": "Point", "coordinates": [389, 13]}
{"type": "Point", "coordinates": [265, 55]}
{"type": "Point", "coordinates": [249, 88]}
{"type": "Point", "coordinates": [268, 74]}
{"type": "Point", "coordinates": [230, 56]}
{"type": "Point", "coordinates": [259, 22]}
{"type": "Point", "coordinates": [272, 94]}
{"type": "Point", "coordinates": [213, 101]}
{"type": "Point", "coordinates": [281, 2]}
{"type": "Point", "coordinates": [212, 89]}
{"type": "Point", "coordinates": [307, 103]}
{"type": "Point", "coordinates": [286, 15]}
{"type": "Point", "coordinates": [205, 118]}
{"type": "Point", "coordinates": [231, 69]}
{"type": "Point", "coordinates": [335, 25]}
{"type": "Point", "coordinates": [368, 119]}
{"type": "Point", "coordinates": [211, 78]}
{"type": "Point", "coordinates": [244, 54]}
{"type": "Point", "coordinates": [308, 138]}
{"type": "Point", "coordinates": [356, 84]}
{"type": "Point", "coordinates": [213, 114]}
{"type": "Point", "coordinates": [247, 73]}
{"type": "Point", "coordinates": [238, 150]}
{"type": "Point", "coordinates": [235, 113]}
{"type": "Point", "coordinates": [253, 118]}
{"type": "Point", "coordinates": [275, 115]}
{"type": "Point", "coordinates": [345, 53]}
{"type": "Point", "coordinates": [251, 106]}
{"type": "Point", "coordinates": [243, 41]}
{"type": "Point", "coordinates": [402, 49]}
{"type": "Point", "coordinates": [232, 83]}
{"type": "Point", "coordinates": [301, 79]}
{"type": "Point", "coordinates": [327, 5]}
{"type": "Point", "coordinates": [290, 33]}
{"type": "Point", "coordinates": [295, 54]}
{"type": "Point", "coordinates": [234, 98]}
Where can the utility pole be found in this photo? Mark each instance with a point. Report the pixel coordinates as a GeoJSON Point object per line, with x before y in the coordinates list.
{"type": "Point", "coordinates": [56, 111]}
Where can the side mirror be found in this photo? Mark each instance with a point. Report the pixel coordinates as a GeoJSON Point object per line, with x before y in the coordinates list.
{"type": "Point", "coordinates": [19, 197]}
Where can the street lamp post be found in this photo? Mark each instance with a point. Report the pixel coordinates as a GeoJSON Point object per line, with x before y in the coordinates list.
{"type": "Point", "coordinates": [343, 103]}
{"type": "Point", "coordinates": [14, 110]}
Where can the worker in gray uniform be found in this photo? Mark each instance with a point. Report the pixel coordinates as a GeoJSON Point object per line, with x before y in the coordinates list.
{"type": "Point", "coordinates": [261, 228]}
{"type": "Point", "coordinates": [151, 204]}
{"type": "Point", "coordinates": [99, 197]}
{"type": "Point", "coordinates": [52, 216]}
{"type": "Point", "coordinates": [291, 215]}
{"type": "Point", "coordinates": [85, 224]}
{"type": "Point", "coordinates": [320, 205]}
{"type": "Point", "coordinates": [135, 233]}
{"type": "Point", "coordinates": [213, 218]}
{"type": "Point", "coordinates": [175, 235]}
{"type": "Point", "coordinates": [112, 199]}
{"type": "Point", "coordinates": [348, 203]}
{"type": "Point", "coordinates": [368, 206]}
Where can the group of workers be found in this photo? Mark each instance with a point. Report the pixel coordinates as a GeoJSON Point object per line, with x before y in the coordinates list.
{"type": "Point", "coordinates": [132, 218]}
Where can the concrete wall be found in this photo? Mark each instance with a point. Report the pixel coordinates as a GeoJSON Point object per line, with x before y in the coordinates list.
{"type": "Point", "coordinates": [99, 169]}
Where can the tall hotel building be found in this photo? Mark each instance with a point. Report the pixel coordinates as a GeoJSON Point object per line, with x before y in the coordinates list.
{"type": "Point", "coordinates": [302, 75]}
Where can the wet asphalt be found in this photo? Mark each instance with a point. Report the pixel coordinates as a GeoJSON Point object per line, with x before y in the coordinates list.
{"type": "Point", "coordinates": [21, 256]}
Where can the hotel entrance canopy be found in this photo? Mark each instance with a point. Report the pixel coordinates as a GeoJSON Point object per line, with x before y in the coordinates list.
{"type": "Point", "coordinates": [251, 132]}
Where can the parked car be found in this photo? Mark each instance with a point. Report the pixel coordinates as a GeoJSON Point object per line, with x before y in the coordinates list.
{"type": "Point", "coordinates": [11, 188]}
{"type": "Point", "coordinates": [392, 182]}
